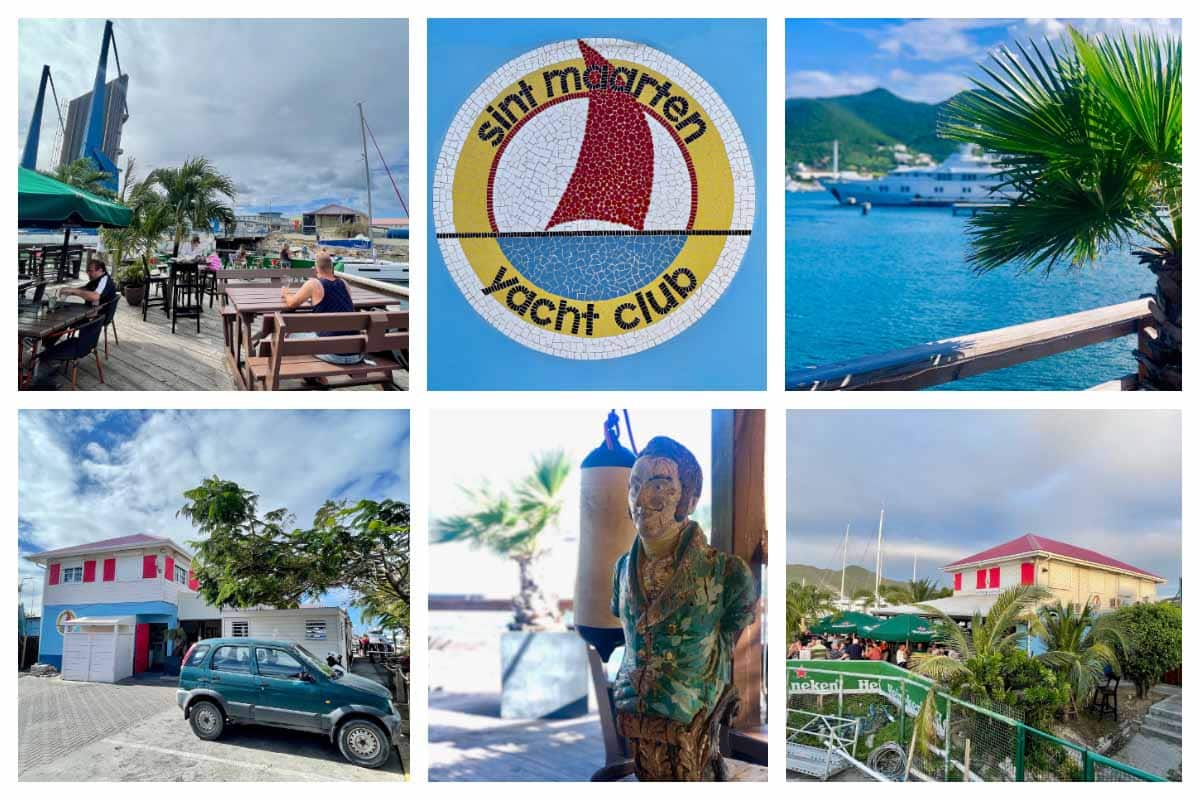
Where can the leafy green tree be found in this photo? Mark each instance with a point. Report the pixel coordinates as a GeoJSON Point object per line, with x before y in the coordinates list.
{"type": "Point", "coordinates": [248, 559]}
{"type": "Point", "coordinates": [1080, 646]}
{"type": "Point", "coordinates": [1155, 642]}
{"type": "Point", "coordinates": [862, 597]}
{"type": "Point", "coordinates": [806, 603]}
{"type": "Point", "coordinates": [512, 525]}
{"type": "Point", "coordinates": [1090, 134]}
{"type": "Point", "coordinates": [196, 194]}
{"type": "Point", "coordinates": [82, 174]}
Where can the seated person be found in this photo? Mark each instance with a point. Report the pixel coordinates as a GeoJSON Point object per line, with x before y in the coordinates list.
{"type": "Point", "coordinates": [329, 295]}
{"type": "Point", "coordinates": [98, 290]}
{"type": "Point", "coordinates": [191, 251]}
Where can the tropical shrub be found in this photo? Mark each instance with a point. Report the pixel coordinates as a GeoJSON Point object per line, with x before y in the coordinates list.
{"type": "Point", "coordinates": [1155, 642]}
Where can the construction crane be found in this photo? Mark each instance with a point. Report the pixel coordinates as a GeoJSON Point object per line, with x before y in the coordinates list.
{"type": "Point", "coordinates": [93, 138]}
{"type": "Point", "coordinates": [33, 137]}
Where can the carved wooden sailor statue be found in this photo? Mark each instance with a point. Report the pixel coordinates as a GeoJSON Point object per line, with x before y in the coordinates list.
{"type": "Point", "coordinates": [682, 605]}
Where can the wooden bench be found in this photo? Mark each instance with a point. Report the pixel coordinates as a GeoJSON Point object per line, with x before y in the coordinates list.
{"type": "Point", "coordinates": [225, 277]}
{"type": "Point", "coordinates": [374, 334]}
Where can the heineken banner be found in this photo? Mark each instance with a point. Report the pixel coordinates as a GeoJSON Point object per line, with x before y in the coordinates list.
{"type": "Point", "coordinates": [899, 686]}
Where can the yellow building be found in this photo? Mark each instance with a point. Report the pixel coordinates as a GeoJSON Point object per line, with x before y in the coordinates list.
{"type": "Point", "coordinates": [1072, 574]}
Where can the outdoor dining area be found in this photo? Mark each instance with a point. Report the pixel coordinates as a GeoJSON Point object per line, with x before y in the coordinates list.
{"type": "Point", "coordinates": [187, 323]}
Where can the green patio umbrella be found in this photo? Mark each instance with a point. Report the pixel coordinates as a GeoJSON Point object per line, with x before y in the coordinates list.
{"type": "Point", "coordinates": [43, 202]}
{"type": "Point", "coordinates": [904, 628]}
{"type": "Point", "coordinates": [846, 622]}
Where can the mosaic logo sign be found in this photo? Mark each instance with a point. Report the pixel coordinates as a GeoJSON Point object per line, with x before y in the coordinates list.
{"type": "Point", "coordinates": [593, 198]}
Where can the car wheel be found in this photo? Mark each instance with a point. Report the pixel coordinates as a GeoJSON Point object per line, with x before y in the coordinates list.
{"type": "Point", "coordinates": [364, 743]}
{"type": "Point", "coordinates": [208, 721]}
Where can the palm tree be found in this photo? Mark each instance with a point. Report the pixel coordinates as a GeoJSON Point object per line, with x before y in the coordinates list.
{"type": "Point", "coordinates": [970, 672]}
{"type": "Point", "coordinates": [83, 174]}
{"type": "Point", "coordinates": [921, 590]}
{"type": "Point", "coordinates": [511, 525]}
{"type": "Point", "coordinates": [1090, 135]}
{"type": "Point", "coordinates": [193, 193]}
{"type": "Point", "coordinates": [1081, 646]}
{"type": "Point", "coordinates": [806, 603]}
{"type": "Point", "coordinates": [151, 218]}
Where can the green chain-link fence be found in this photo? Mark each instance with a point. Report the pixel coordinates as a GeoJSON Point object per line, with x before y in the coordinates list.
{"type": "Point", "coordinates": [966, 741]}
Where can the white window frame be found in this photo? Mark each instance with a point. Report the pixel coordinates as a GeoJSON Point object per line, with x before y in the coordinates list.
{"type": "Point", "coordinates": [181, 574]}
{"type": "Point", "coordinates": [242, 623]}
{"type": "Point", "coordinates": [309, 624]}
{"type": "Point", "coordinates": [72, 574]}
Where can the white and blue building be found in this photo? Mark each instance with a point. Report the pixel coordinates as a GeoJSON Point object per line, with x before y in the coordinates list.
{"type": "Point", "coordinates": [110, 602]}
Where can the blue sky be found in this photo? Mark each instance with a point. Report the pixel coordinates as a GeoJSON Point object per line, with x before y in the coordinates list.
{"type": "Point", "coordinates": [270, 102]}
{"type": "Point", "coordinates": [957, 482]}
{"type": "Point", "coordinates": [919, 59]}
{"type": "Point", "coordinates": [90, 475]}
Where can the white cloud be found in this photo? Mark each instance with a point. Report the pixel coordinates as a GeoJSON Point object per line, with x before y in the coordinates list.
{"type": "Point", "coordinates": [291, 459]}
{"type": "Point", "coordinates": [929, 87]}
{"type": "Point", "coordinates": [931, 39]}
{"type": "Point", "coordinates": [270, 102]}
{"type": "Point", "coordinates": [815, 83]}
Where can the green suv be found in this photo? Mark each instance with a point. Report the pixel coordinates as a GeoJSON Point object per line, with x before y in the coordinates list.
{"type": "Point", "coordinates": [259, 682]}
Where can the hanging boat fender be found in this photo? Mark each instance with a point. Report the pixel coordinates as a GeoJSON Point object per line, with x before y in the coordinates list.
{"type": "Point", "coordinates": [606, 531]}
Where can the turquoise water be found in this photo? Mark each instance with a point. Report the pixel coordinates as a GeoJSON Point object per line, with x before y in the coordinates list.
{"type": "Point", "coordinates": [860, 285]}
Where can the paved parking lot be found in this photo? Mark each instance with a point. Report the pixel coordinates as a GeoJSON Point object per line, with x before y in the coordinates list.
{"type": "Point", "coordinates": [134, 732]}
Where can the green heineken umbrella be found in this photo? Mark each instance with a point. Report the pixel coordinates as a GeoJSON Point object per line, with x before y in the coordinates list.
{"type": "Point", "coordinates": [43, 202]}
{"type": "Point", "coordinates": [846, 622]}
{"type": "Point", "coordinates": [903, 628]}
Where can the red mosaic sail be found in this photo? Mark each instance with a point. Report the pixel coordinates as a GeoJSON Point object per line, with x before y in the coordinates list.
{"type": "Point", "coordinates": [614, 175]}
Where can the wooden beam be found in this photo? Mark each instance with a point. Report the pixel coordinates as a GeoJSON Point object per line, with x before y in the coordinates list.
{"type": "Point", "coordinates": [939, 362]}
{"type": "Point", "coordinates": [740, 527]}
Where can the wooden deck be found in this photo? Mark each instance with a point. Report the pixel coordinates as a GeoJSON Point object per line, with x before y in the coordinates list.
{"type": "Point", "coordinates": [151, 358]}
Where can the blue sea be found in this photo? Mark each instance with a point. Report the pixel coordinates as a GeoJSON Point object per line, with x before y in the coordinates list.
{"type": "Point", "coordinates": [860, 285]}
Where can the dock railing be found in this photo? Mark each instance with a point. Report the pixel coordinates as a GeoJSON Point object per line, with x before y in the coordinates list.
{"type": "Point", "coordinates": [971, 741]}
{"type": "Point", "coordinates": [935, 363]}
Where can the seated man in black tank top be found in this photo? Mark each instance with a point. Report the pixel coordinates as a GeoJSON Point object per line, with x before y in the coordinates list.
{"type": "Point", "coordinates": [329, 294]}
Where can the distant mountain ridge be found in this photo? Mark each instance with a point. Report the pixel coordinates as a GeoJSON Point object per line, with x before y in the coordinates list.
{"type": "Point", "coordinates": [856, 577]}
{"type": "Point", "coordinates": [862, 123]}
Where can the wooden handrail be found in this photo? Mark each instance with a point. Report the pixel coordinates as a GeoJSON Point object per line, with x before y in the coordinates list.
{"type": "Point", "coordinates": [939, 362]}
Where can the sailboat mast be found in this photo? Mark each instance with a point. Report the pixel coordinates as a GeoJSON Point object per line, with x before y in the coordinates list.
{"type": "Point", "coordinates": [362, 123]}
{"type": "Point", "coordinates": [914, 577]}
{"type": "Point", "coordinates": [845, 546]}
{"type": "Point", "coordinates": [878, 556]}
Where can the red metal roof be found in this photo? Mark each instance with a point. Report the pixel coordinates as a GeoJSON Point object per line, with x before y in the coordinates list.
{"type": "Point", "coordinates": [1030, 543]}
{"type": "Point", "coordinates": [109, 544]}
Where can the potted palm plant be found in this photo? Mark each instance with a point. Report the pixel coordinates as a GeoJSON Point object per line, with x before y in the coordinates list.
{"type": "Point", "coordinates": [133, 283]}
{"type": "Point", "coordinates": [544, 665]}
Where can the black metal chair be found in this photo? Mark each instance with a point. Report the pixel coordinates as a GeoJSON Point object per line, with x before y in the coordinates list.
{"type": "Point", "coordinates": [187, 295]}
{"type": "Point", "coordinates": [153, 282]}
{"type": "Point", "coordinates": [79, 342]}
{"type": "Point", "coordinates": [1104, 698]}
{"type": "Point", "coordinates": [208, 279]}
{"type": "Point", "coordinates": [110, 321]}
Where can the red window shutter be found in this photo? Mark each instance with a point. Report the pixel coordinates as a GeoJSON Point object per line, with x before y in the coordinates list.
{"type": "Point", "coordinates": [981, 579]}
{"type": "Point", "coordinates": [149, 566]}
{"type": "Point", "coordinates": [193, 584]}
{"type": "Point", "coordinates": [994, 578]}
{"type": "Point", "coordinates": [110, 569]}
{"type": "Point", "coordinates": [170, 571]}
{"type": "Point", "coordinates": [89, 572]}
{"type": "Point", "coordinates": [1027, 574]}
{"type": "Point", "coordinates": [54, 569]}
{"type": "Point", "coordinates": [958, 581]}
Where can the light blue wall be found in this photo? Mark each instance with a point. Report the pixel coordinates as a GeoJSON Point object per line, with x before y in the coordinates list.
{"type": "Point", "coordinates": [50, 643]}
{"type": "Point", "coordinates": [727, 347]}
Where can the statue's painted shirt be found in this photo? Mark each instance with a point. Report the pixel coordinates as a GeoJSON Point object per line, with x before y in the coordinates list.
{"type": "Point", "coordinates": [678, 648]}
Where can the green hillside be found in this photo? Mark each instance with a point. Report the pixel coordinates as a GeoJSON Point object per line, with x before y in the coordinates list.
{"type": "Point", "coordinates": [856, 577]}
{"type": "Point", "coordinates": [862, 123]}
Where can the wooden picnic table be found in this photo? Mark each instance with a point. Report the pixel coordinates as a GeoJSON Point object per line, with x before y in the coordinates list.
{"type": "Point", "coordinates": [256, 300]}
{"type": "Point", "coordinates": [35, 327]}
